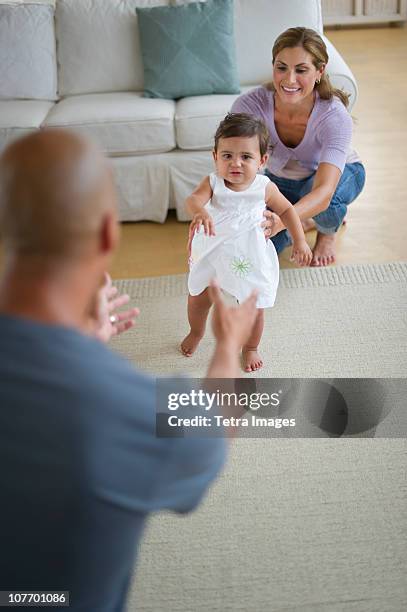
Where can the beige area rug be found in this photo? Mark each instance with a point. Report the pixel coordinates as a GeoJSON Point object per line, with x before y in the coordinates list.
{"type": "Point", "coordinates": [293, 526]}
{"type": "Point", "coordinates": [304, 525]}
{"type": "Point", "coordinates": [348, 321]}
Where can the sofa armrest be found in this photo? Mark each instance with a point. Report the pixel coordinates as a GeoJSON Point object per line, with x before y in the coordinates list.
{"type": "Point", "coordinates": [340, 73]}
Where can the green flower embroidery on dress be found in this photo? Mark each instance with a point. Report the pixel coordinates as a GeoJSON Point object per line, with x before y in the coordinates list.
{"type": "Point", "coordinates": [240, 266]}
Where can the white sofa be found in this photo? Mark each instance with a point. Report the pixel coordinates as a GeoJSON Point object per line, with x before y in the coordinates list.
{"type": "Point", "coordinates": [78, 65]}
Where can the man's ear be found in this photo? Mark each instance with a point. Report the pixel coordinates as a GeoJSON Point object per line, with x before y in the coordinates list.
{"type": "Point", "coordinates": [214, 155]}
{"type": "Point", "coordinates": [109, 233]}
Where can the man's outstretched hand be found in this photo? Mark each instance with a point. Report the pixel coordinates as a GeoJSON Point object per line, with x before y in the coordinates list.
{"type": "Point", "coordinates": [107, 322]}
{"type": "Point", "coordinates": [232, 324]}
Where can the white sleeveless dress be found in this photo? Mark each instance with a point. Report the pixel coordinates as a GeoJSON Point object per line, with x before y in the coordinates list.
{"type": "Point", "coordinates": [238, 256]}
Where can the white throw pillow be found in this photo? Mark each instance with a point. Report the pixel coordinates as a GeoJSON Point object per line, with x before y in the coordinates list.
{"type": "Point", "coordinates": [27, 52]}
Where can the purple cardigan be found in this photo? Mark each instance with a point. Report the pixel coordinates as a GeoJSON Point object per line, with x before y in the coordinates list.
{"type": "Point", "coordinates": [327, 137]}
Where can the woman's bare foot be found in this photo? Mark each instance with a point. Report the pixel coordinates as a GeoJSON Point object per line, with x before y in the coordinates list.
{"type": "Point", "coordinates": [251, 360]}
{"type": "Point", "coordinates": [324, 250]}
{"type": "Point", "coordinates": [308, 225]}
{"type": "Point", "coordinates": [190, 344]}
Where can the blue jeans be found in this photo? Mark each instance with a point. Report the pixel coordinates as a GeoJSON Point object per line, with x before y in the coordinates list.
{"type": "Point", "coordinates": [328, 221]}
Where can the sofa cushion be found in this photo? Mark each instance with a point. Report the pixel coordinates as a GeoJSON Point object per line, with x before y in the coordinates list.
{"type": "Point", "coordinates": [144, 189]}
{"type": "Point", "coordinates": [19, 117]}
{"type": "Point", "coordinates": [197, 117]}
{"type": "Point", "coordinates": [188, 50]}
{"type": "Point", "coordinates": [120, 123]}
{"type": "Point", "coordinates": [106, 34]}
{"type": "Point", "coordinates": [27, 52]}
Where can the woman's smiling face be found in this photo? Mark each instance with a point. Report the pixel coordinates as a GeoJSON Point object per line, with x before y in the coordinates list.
{"type": "Point", "coordinates": [294, 75]}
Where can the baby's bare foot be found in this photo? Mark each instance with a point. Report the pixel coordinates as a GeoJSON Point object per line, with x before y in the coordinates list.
{"type": "Point", "coordinates": [324, 250]}
{"type": "Point", "coordinates": [251, 360]}
{"type": "Point", "coordinates": [190, 344]}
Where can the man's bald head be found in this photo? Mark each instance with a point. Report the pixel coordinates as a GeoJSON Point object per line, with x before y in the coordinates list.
{"type": "Point", "coordinates": [55, 190]}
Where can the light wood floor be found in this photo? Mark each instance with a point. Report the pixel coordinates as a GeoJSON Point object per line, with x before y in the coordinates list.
{"type": "Point", "coordinates": [377, 220]}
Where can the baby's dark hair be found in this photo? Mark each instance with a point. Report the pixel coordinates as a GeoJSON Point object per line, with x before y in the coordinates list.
{"type": "Point", "coordinates": [242, 124]}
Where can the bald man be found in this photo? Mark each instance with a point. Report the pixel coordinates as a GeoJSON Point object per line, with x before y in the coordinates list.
{"type": "Point", "coordinates": [80, 464]}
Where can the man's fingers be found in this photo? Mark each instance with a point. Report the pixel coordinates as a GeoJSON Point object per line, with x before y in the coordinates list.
{"type": "Point", "coordinates": [121, 300]}
{"type": "Point", "coordinates": [214, 292]}
{"type": "Point", "coordinates": [121, 327]}
{"type": "Point", "coordinates": [132, 313]}
{"type": "Point", "coordinates": [252, 299]}
{"type": "Point", "coordinates": [107, 279]}
{"type": "Point", "coordinates": [111, 292]}
{"type": "Point", "coordinates": [125, 320]}
{"type": "Point", "coordinates": [249, 305]}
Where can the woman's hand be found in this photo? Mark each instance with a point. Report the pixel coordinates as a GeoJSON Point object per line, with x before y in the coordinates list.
{"type": "Point", "coordinates": [272, 225]}
{"type": "Point", "coordinates": [301, 253]}
{"type": "Point", "coordinates": [105, 321]}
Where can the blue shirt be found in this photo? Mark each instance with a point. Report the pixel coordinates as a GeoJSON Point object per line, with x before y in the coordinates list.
{"type": "Point", "coordinates": [81, 466]}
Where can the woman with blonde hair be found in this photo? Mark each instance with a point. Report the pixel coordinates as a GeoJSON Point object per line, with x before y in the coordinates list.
{"type": "Point", "coordinates": [311, 160]}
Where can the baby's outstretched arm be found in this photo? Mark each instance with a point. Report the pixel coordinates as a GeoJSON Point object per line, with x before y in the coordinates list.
{"type": "Point", "coordinates": [195, 206]}
{"type": "Point", "coordinates": [285, 210]}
